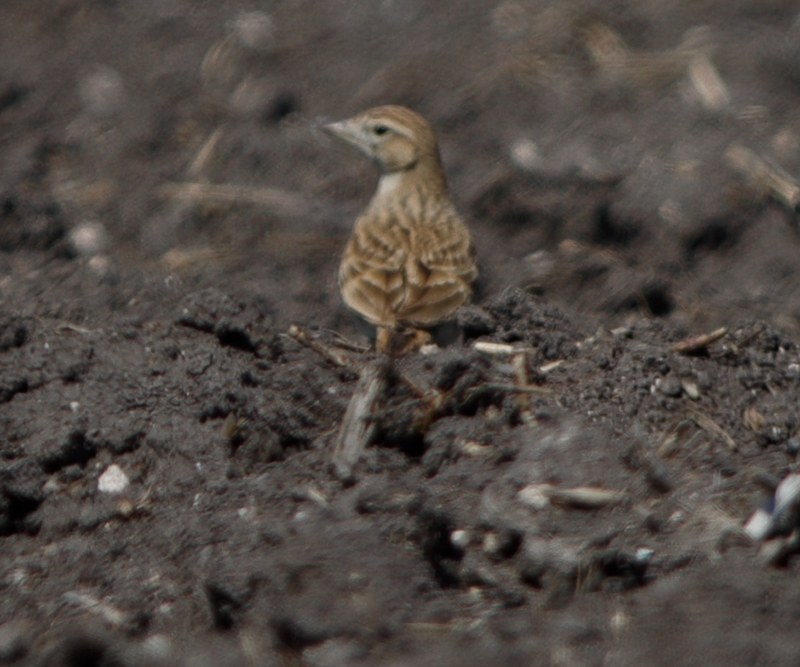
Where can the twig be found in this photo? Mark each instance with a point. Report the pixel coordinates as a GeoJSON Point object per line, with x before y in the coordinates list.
{"type": "Point", "coordinates": [694, 343]}
{"type": "Point", "coordinates": [705, 422]}
{"type": "Point", "coordinates": [357, 429]}
{"type": "Point", "coordinates": [495, 349]}
{"type": "Point", "coordinates": [326, 351]}
{"type": "Point", "coordinates": [199, 166]}
{"type": "Point", "coordinates": [774, 180]}
{"type": "Point", "coordinates": [511, 389]}
{"type": "Point", "coordinates": [709, 84]}
{"type": "Point", "coordinates": [519, 365]}
{"type": "Point", "coordinates": [539, 496]}
{"type": "Point", "coordinates": [275, 200]}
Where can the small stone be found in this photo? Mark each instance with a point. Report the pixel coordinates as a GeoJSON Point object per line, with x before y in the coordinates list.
{"type": "Point", "coordinates": [793, 446]}
{"type": "Point", "coordinates": [669, 386]}
{"type": "Point", "coordinates": [88, 239]}
{"type": "Point", "coordinates": [525, 154]}
{"type": "Point", "coordinates": [126, 508]}
{"type": "Point", "coordinates": [691, 389]}
{"type": "Point", "coordinates": [460, 539]}
{"type": "Point", "coordinates": [536, 496]}
{"type": "Point", "coordinates": [113, 480]}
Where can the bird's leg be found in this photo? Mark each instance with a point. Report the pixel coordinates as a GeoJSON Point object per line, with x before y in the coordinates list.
{"type": "Point", "coordinates": [383, 341]}
{"type": "Point", "coordinates": [401, 341]}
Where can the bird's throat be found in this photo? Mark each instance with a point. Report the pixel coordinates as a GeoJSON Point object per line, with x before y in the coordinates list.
{"type": "Point", "coordinates": [423, 177]}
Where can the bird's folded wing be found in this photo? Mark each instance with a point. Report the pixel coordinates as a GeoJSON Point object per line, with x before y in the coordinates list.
{"type": "Point", "coordinates": [371, 272]}
{"type": "Point", "coordinates": [439, 273]}
{"type": "Point", "coordinates": [412, 275]}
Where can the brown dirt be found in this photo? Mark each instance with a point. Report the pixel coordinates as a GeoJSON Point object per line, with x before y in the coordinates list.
{"type": "Point", "coordinates": [163, 348]}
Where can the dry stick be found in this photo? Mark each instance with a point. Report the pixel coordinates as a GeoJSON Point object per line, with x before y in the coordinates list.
{"type": "Point", "coordinates": [708, 83]}
{"type": "Point", "coordinates": [694, 343]}
{"type": "Point", "coordinates": [279, 201]}
{"type": "Point", "coordinates": [322, 349]}
{"type": "Point", "coordinates": [199, 167]}
{"type": "Point", "coordinates": [513, 389]}
{"type": "Point", "coordinates": [765, 176]}
{"type": "Point", "coordinates": [519, 364]}
{"type": "Point", "coordinates": [357, 429]}
{"type": "Point", "coordinates": [706, 423]}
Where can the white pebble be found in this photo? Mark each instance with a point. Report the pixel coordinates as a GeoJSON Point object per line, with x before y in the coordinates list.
{"type": "Point", "coordinates": [525, 155]}
{"type": "Point", "coordinates": [459, 539]}
{"type": "Point", "coordinates": [691, 389]}
{"type": "Point", "coordinates": [88, 239]}
{"type": "Point", "coordinates": [759, 525]}
{"type": "Point", "coordinates": [536, 496]}
{"type": "Point", "coordinates": [113, 480]}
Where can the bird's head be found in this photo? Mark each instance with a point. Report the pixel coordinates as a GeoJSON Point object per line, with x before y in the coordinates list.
{"type": "Point", "coordinates": [395, 137]}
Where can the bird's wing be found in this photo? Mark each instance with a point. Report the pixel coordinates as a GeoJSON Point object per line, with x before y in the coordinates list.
{"type": "Point", "coordinates": [439, 270]}
{"type": "Point", "coordinates": [371, 272]}
{"type": "Point", "coordinates": [418, 274]}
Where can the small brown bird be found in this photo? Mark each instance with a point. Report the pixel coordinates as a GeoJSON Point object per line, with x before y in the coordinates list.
{"type": "Point", "coordinates": [409, 264]}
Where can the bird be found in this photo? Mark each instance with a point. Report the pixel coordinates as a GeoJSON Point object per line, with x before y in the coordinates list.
{"type": "Point", "coordinates": [410, 262]}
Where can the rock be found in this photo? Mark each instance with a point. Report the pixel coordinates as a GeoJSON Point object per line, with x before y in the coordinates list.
{"type": "Point", "coordinates": [88, 239]}
{"type": "Point", "coordinates": [526, 155]}
{"type": "Point", "coordinates": [669, 386]}
{"type": "Point", "coordinates": [113, 480]}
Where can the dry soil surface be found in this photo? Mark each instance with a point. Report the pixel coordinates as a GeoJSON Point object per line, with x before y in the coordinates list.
{"type": "Point", "coordinates": [169, 208]}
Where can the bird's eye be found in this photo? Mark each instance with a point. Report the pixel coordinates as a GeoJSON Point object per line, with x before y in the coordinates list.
{"type": "Point", "coordinates": [380, 129]}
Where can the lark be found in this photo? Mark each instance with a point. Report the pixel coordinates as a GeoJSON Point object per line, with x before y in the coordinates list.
{"type": "Point", "coordinates": [410, 263]}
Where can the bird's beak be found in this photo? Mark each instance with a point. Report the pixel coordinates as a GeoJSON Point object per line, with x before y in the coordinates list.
{"type": "Point", "coordinates": [344, 131]}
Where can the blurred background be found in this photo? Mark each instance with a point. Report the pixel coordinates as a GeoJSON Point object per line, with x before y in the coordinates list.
{"type": "Point", "coordinates": [623, 159]}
